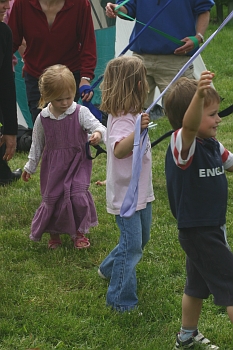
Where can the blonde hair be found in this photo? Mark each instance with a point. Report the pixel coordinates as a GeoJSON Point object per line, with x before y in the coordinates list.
{"type": "Point", "coordinates": [54, 81]}
{"type": "Point", "coordinates": [124, 86]}
{"type": "Point", "coordinates": [179, 97]}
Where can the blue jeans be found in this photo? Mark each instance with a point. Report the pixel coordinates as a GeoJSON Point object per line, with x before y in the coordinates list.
{"type": "Point", "coordinates": [119, 266]}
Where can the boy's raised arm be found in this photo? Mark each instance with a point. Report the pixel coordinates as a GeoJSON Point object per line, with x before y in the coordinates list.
{"type": "Point", "coordinates": [193, 115]}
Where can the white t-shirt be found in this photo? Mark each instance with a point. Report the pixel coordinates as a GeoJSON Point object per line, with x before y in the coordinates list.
{"type": "Point", "coordinates": [119, 171]}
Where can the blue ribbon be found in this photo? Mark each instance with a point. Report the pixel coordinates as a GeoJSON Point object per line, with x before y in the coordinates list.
{"type": "Point", "coordinates": [131, 198]}
{"type": "Point", "coordinates": [94, 110]}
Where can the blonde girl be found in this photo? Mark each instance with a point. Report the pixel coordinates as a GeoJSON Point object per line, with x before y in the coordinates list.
{"type": "Point", "coordinates": [124, 91]}
{"type": "Point", "coordinates": [59, 137]}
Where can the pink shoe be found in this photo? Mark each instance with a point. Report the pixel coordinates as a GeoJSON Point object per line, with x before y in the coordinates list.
{"type": "Point", "coordinates": [81, 241]}
{"type": "Point", "coordinates": [54, 243]}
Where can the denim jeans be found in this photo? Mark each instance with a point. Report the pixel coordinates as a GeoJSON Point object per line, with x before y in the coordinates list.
{"type": "Point", "coordinates": [120, 265]}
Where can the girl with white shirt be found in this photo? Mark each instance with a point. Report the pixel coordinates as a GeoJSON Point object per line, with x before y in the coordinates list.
{"type": "Point", "coordinates": [59, 137]}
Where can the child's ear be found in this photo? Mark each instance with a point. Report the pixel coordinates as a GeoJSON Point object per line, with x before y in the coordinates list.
{"type": "Point", "coordinates": [139, 85]}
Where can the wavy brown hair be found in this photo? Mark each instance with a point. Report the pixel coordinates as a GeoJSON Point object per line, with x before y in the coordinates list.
{"type": "Point", "coordinates": [54, 81]}
{"type": "Point", "coordinates": [124, 86]}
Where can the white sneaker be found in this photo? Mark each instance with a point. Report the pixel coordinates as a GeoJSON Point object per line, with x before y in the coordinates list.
{"type": "Point", "coordinates": [196, 337]}
{"type": "Point", "coordinates": [101, 275]}
{"type": "Point", "coordinates": [200, 339]}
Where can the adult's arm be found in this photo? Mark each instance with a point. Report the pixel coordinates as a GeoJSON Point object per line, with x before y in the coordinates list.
{"type": "Point", "coordinates": [202, 24]}
{"type": "Point", "coordinates": [193, 116]}
{"type": "Point", "coordinates": [110, 10]}
{"type": "Point", "coordinates": [88, 55]}
{"type": "Point", "coordinates": [16, 25]}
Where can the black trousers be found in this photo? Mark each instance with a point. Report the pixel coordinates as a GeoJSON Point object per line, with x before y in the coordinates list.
{"type": "Point", "coordinates": [5, 171]}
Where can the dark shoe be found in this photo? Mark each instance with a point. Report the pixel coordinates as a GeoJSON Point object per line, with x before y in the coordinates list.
{"type": "Point", "coordinates": [15, 175]}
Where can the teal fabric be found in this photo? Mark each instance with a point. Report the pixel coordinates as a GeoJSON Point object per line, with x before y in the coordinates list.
{"type": "Point", "coordinates": [21, 91]}
{"type": "Point", "coordinates": [105, 41]}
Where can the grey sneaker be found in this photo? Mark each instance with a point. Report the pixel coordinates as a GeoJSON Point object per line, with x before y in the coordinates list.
{"type": "Point", "coordinates": [198, 338]}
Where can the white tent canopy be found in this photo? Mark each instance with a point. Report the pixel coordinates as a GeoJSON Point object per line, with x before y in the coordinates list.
{"type": "Point", "coordinates": [21, 119]}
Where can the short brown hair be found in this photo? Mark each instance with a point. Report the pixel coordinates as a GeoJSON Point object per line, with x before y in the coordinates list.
{"type": "Point", "coordinates": [179, 96]}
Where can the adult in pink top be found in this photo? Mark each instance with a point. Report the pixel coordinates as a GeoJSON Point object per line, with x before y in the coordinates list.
{"type": "Point", "coordinates": [56, 31]}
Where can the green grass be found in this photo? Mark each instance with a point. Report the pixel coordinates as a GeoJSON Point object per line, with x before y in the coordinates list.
{"type": "Point", "coordinates": [55, 299]}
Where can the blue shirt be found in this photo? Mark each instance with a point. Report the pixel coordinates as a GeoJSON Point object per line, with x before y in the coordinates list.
{"type": "Point", "coordinates": [178, 19]}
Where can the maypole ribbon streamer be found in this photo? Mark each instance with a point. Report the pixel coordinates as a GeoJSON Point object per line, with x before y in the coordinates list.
{"type": "Point", "coordinates": [131, 197]}
{"type": "Point", "coordinates": [171, 38]}
{"type": "Point", "coordinates": [122, 4]}
{"type": "Point", "coordinates": [129, 204]}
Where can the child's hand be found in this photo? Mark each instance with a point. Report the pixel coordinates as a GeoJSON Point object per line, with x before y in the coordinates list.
{"type": "Point", "coordinates": [95, 138]}
{"type": "Point", "coordinates": [26, 176]}
{"type": "Point", "coordinates": [145, 120]}
{"type": "Point", "coordinates": [204, 83]}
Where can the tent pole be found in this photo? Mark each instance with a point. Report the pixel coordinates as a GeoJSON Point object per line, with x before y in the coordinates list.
{"type": "Point", "coordinates": [95, 13]}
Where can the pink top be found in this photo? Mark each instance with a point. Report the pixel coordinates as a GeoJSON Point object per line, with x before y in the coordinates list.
{"type": "Point", "coordinates": [119, 171]}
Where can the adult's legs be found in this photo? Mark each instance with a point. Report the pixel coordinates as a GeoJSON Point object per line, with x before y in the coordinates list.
{"type": "Point", "coordinates": [6, 175]}
{"type": "Point", "coordinates": [161, 69]}
{"type": "Point", "coordinates": [33, 95]}
{"type": "Point", "coordinates": [230, 313]}
{"type": "Point", "coordinates": [5, 171]}
{"type": "Point", "coordinates": [77, 80]}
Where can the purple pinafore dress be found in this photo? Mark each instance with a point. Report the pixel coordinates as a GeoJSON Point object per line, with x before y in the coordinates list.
{"type": "Point", "coordinates": [67, 205]}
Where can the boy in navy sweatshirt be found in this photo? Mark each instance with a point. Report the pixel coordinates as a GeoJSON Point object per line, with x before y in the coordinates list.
{"type": "Point", "coordinates": [197, 191]}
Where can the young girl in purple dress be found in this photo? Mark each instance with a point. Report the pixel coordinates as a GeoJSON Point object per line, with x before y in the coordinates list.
{"type": "Point", "coordinates": [59, 137]}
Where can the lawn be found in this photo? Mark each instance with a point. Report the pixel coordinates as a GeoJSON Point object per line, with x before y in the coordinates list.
{"type": "Point", "coordinates": [56, 300]}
